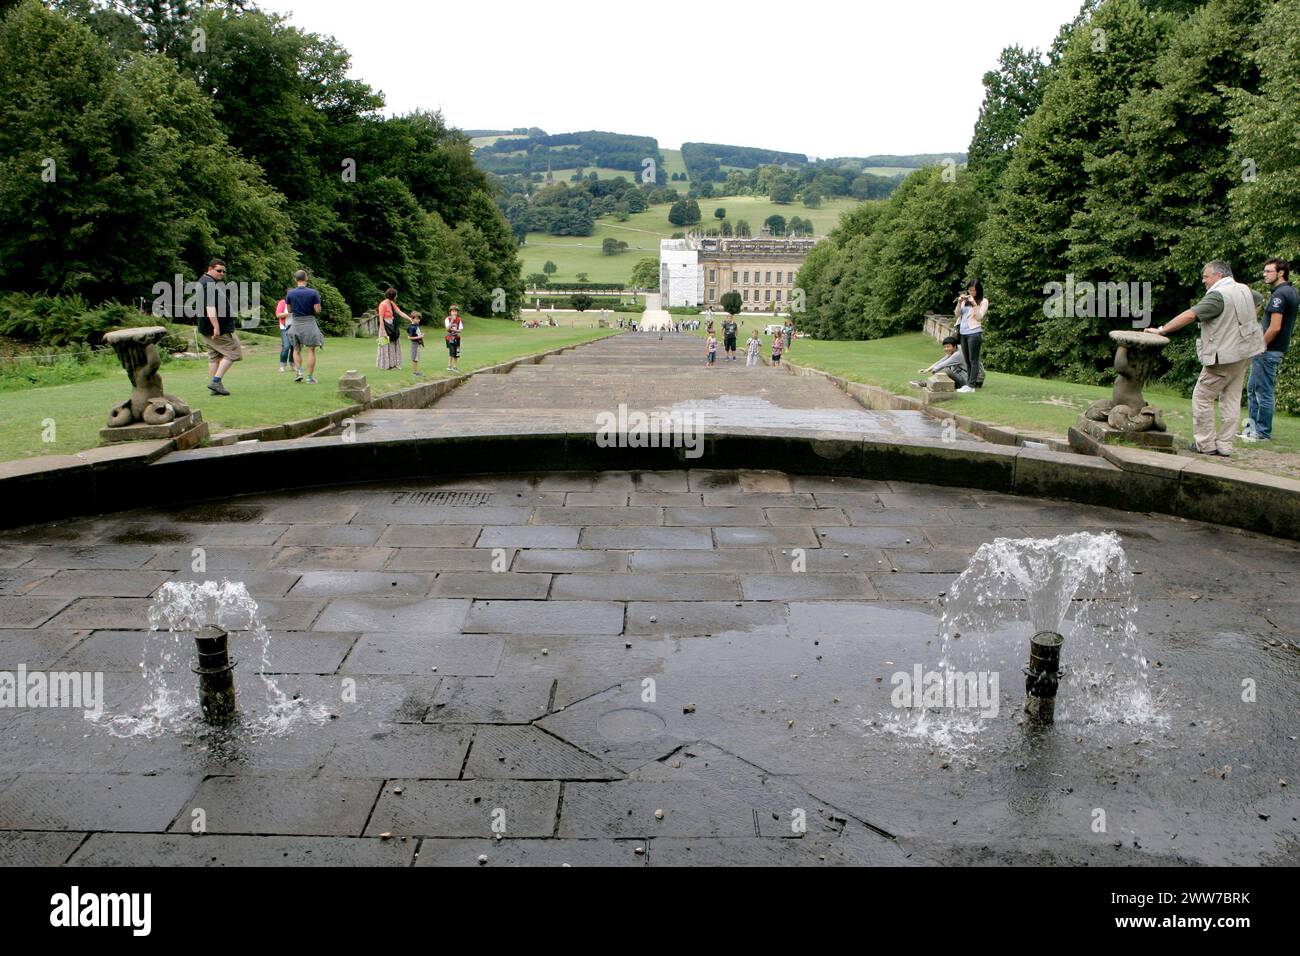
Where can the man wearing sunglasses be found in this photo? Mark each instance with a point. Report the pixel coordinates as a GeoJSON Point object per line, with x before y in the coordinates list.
{"type": "Point", "coordinates": [217, 325]}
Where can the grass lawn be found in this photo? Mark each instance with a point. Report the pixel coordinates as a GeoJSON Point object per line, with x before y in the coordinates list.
{"type": "Point", "coordinates": [889, 170]}
{"type": "Point", "coordinates": [260, 394]}
{"type": "Point", "coordinates": [673, 163]}
{"type": "Point", "coordinates": [1024, 402]}
{"type": "Point", "coordinates": [643, 230]}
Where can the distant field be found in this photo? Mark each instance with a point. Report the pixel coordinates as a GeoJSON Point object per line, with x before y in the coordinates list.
{"type": "Point", "coordinates": [889, 170]}
{"type": "Point", "coordinates": [562, 175]}
{"type": "Point", "coordinates": [673, 163]}
{"type": "Point", "coordinates": [480, 141]}
{"type": "Point", "coordinates": [642, 232]}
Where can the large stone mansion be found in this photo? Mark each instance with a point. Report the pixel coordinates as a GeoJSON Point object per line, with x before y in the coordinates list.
{"type": "Point", "coordinates": [698, 270]}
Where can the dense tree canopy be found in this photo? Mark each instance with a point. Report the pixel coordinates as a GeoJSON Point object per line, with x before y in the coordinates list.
{"type": "Point", "coordinates": [148, 136]}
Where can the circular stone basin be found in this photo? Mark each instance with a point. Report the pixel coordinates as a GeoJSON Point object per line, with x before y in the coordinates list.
{"type": "Point", "coordinates": [143, 334]}
{"type": "Point", "coordinates": [1137, 337]}
{"type": "Point", "coordinates": [630, 724]}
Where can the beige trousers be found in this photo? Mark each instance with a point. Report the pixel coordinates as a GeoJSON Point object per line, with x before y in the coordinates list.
{"type": "Point", "coordinates": [1222, 383]}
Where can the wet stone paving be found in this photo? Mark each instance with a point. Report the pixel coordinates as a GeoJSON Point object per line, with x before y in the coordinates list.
{"type": "Point", "coordinates": [653, 668]}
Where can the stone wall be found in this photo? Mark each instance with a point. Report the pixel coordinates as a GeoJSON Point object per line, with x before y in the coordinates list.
{"type": "Point", "coordinates": [938, 327]}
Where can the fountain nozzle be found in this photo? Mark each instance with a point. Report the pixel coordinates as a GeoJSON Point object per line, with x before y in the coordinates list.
{"type": "Point", "coordinates": [1042, 675]}
{"type": "Point", "coordinates": [216, 673]}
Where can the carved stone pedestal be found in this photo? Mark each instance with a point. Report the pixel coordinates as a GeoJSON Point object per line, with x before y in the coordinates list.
{"type": "Point", "coordinates": [352, 384]}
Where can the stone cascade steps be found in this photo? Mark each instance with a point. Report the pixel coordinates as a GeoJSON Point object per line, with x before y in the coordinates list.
{"type": "Point", "coordinates": [570, 390]}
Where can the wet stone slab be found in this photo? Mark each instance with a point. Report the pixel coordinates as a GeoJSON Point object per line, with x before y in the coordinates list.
{"type": "Point", "coordinates": [93, 801]}
{"type": "Point", "coordinates": [477, 700]}
{"type": "Point", "coordinates": [527, 753]}
{"type": "Point", "coordinates": [391, 614]}
{"type": "Point", "coordinates": [319, 806]}
{"type": "Point", "coordinates": [404, 750]}
{"type": "Point", "coordinates": [570, 561]}
{"type": "Point", "coordinates": [645, 587]}
{"type": "Point", "coordinates": [469, 808]}
{"type": "Point", "coordinates": [221, 850]}
{"type": "Point", "coordinates": [14, 583]}
{"type": "Point", "coordinates": [37, 849]}
{"type": "Point", "coordinates": [374, 583]}
{"type": "Point", "coordinates": [544, 617]}
{"type": "Point", "coordinates": [528, 536]}
{"type": "Point", "coordinates": [424, 653]}
{"type": "Point", "coordinates": [489, 584]}
{"type": "Point", "coordinates": [513, 852]}
{"type": "Point", "coordinates": [36, 648]}
{"type": "Point", "coordinates": [646, 538]}
{"type": "Point", "coordinates": [24, 612]}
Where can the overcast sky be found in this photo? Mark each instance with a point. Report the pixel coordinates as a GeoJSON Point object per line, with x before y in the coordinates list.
{"type": "Point", "coordinates": [823, 77]}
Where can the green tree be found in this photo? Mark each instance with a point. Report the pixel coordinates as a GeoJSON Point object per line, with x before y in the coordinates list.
{"type": "Point", "coordinates": [720, 213]}
{"type": "Point", "coordinates": [1266, 198]}
{"type": "Point", "coordinates": [142, 183]}
{"type": "Point", "coordinates": [645, 274]}
{"type": "Point", "coordinates": [730, 302]}
{"type": "Point", "coordinates": [775, 224]}
{"type": "Point", "coordinates": [538, 280]}
{"type": "Point", "coordinates": [1011, 94]}
{"type": "Point", "coordinates": [1024, 244]}
{"type": "Point", "coordinates": [581, 301]}
{"type": "Point", "coordinates": [782, 191]}
{"type": "Point", "coordinates": [581, 277]}
{"type": "Point", "coordinates": [812, 198]}
{"type": "Point", "coordinates": [742, 229]}
{"type": "Point", "coordinates": [550, 268]}
{"type": "Point", "coordinates": [1154, 210]}
{"type": "Point", "coordinates": [611, 246]}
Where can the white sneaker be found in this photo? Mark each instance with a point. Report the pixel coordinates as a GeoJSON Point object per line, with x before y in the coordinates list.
{"type": "Point", "coordinates": [1250, 437]}
{"type": "Point", "coordinates": [1246, 433]}
{"type": "Point", "coordinates": [965, 388]}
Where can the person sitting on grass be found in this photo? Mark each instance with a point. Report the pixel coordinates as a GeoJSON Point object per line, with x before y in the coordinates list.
{"type": "Point", "coordinates": [953, 364]}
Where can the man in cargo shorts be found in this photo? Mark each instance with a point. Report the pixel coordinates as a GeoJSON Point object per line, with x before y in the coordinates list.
{"type": "Point", "coordinates": [216, 325]}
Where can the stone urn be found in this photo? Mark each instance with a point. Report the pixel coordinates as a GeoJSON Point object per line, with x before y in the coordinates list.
{"type": "Point", "coordinates": [1126, 414]}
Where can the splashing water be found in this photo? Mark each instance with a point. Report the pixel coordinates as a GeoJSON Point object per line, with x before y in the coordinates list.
{"type": "Point", "coordinates": [1016, 587]}
{"type": "Point", "coordinates": [180, 609]}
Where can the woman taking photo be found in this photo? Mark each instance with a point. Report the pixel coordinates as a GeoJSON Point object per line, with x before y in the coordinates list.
{"type": "Point", "coordinates": [970, 310]}
{"type": "Point", "coordinates": [389, 338]}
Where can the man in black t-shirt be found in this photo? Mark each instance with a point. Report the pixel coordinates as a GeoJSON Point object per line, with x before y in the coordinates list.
{"type": "Point", "coordinates": [729, 337]}
{"type": "Point", "coordinates": [1278, 321]}
{"type": "Point", "coordinates": [216, 325]}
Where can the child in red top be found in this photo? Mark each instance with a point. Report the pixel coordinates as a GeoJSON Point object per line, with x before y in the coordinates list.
{"type": "Point", "coordinates": [453, 324]}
